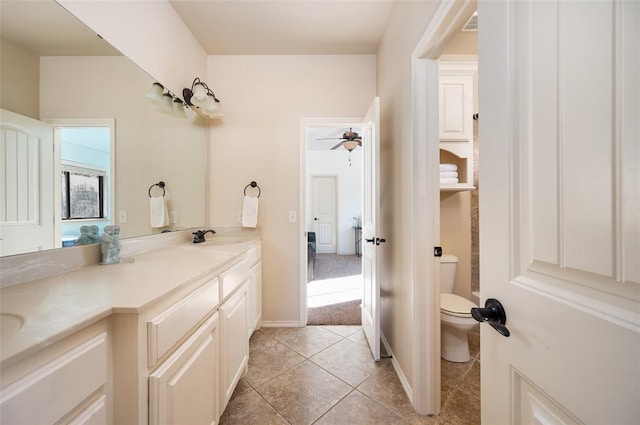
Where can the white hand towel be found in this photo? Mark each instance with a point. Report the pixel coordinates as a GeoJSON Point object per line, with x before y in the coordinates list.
{"type": "Point", "coordinates": [448, 167]}
{"type": "Point", "coordinates": [448, 180]}
{"type": "Point", "coordinates": [448, 174]}
{"type": "Point", "coordinates": [158, 211]}
{"type": "Point", "coordinates": [250, 211]}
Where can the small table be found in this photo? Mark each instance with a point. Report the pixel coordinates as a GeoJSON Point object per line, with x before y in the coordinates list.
{"type": "Point", "coordinates": [358, 238]}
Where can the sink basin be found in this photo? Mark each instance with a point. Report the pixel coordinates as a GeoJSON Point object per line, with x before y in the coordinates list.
{"type": "Point", "coordinates": [10, 324]}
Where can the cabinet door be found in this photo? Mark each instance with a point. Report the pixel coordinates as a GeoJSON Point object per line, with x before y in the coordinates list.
{"type": "Point", "coordinates": [57, 388]}
{"type": "Point", "coordinates": [456, 108]}
{"type": "Point", "coordinates": [255, 298]}
{"type": "Point", "coordinates": [184, 389]}
{"type": "Point", "coordinates": [234, 342]}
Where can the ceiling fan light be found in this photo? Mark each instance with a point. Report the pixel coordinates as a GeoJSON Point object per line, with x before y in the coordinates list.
{"type": "Point", "coordinates": [350, 145]}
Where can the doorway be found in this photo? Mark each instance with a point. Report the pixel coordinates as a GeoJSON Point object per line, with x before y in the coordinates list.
{"type": "Point", "coordinates": [333, 206]}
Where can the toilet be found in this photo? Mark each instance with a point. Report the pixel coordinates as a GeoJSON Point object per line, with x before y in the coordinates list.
{"type": "Point", "coordinates": [455, 314]}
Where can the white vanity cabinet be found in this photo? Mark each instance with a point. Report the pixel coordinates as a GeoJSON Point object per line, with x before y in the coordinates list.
{"type": "Point", "coordinates": [67, 382]}
{"type": "Point", "coordinates": [234, 341]}
{"type": "Point", "coordinates": [254, 275]}
{"type": "Point", "coordinates": [184, 389]}
{"type": "Point", "coordinates": [255, 297]}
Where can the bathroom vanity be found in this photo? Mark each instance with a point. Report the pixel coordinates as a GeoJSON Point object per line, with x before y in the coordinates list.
{"type": "Point", "coordinates": [163, 339]}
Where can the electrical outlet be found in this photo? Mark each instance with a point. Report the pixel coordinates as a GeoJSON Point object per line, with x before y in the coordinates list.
{"type": "Point", "coordinates": [292, 217]}
{"type": "Point", "coordinates": [173, 217]}
{"type": "Point", "coordinates": [122, 217]}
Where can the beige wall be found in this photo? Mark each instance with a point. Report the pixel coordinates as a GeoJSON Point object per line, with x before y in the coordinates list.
{"type": "Point", "coordinates": [455, 236]}
{"type": "Point", "coordinates": [19, 80]}
{"type": "Point", "coordinates": [148, 32]}
{"type": "Point", "coordinates": [405, 27]}
{"type": "Point", "coordinates": [264, 98]}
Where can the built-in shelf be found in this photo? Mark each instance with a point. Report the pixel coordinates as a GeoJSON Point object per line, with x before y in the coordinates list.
{"type": "Point", "coordinates": [461, 187]}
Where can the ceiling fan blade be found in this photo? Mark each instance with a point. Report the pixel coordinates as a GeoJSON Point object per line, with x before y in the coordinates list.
{"type": "Point", "coordinates": [337, 146]}
{"type": "Point", "coordinates": [330, 138]}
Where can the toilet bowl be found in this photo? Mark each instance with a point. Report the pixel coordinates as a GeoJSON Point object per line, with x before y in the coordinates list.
{"type": "Point", "coordinates": [455, 315]}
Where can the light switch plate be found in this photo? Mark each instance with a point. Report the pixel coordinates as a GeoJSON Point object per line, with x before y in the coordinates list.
{"type": "Point", "coordinates": [292, 217]}
{"type": "Point", "coordinates": [122, 217]}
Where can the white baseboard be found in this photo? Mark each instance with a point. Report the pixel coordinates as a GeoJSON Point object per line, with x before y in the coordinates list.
{"type": "Point", "coordinates": [396, 366]}
{"type": "Point", "coordinates": [280, 324]}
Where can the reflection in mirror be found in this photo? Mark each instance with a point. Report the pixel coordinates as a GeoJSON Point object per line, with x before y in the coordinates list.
{"type": "Point", "coordinates": [57, 73]}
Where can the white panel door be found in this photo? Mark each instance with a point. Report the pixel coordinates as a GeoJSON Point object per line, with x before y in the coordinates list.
{"type": "Point", "coordinates": [371, 227]}
{"type": "Point", "coordinates": [26, 185]}
{"type": "Point", "coordinates": [324, 212]}
{"type": "Point", "coordinates": [560, 210]}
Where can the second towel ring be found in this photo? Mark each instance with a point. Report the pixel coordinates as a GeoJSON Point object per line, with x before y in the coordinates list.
{"type": "Point", "coordinates": [160, 185]}
{"type": "Point", "coordinates": [252, 184]}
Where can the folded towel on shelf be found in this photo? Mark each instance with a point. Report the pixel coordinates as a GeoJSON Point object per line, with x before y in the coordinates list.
{"type": "Point", "coordinates": [448, 167]}
{"type": "Point", "coordinates": [250, 211]}
{"type": "Point", "coordinates": [158, 212]}
{"type": "Point", "coordinates": [448, 174]}
{"type": "Point", "coordinates": [448, 180]}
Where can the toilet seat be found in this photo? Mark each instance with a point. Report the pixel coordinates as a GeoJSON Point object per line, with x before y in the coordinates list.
{"type": "Point", "coordinates": [455, 305]}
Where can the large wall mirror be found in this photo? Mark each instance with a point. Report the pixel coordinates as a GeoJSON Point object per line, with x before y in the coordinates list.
{"type": "Point", "coordinates": [59, 77]}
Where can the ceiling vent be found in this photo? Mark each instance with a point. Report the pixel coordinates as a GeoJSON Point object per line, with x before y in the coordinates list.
{"type": "Point", "coordinates": [472, 23]}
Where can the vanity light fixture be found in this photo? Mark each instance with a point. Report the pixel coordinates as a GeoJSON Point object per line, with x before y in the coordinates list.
{"type": "Point", "coordinates": [165, 101]}
{"type": "Point", "coordinates": [155, 93]}
{"type": "Point", "coordinates": [166, 105]}
{"type": "Point", "coordinates": [178, 108]}
{"type": "Point", "coordinates": [202, 100]}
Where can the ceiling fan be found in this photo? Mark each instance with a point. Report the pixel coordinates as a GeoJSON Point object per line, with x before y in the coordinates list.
{"type": "Point", "coordinates": [350, 140]}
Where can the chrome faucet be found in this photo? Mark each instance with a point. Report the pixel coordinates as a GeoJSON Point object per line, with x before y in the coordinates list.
{"type": "Point", "coordinates": [198, 235]}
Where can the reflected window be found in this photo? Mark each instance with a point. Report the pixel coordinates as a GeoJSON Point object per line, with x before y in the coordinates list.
{"type": "Point", "coordinates": [83, 194]}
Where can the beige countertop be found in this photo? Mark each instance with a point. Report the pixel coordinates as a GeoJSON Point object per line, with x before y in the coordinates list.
{"type": "Point", "coordinates": [53, 307]}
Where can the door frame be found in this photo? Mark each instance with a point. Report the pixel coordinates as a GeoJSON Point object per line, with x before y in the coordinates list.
{"type": "Point", "coordinates": [302, 222]}
{"type": "Point", "coordinates": [448, 19]}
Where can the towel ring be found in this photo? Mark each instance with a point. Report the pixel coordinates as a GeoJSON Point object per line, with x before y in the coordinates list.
{"type": "Point", "coordinates": [160, 185]}
{"type": "Point", "coordinates": [252, 184]}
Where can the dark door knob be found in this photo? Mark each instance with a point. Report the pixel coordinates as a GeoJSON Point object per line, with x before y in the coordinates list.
{"type": "Point", "coordinates": [493, 314]}
{"type": "Point", "coordinates": [372, 240]}
{"type": "Point", "coordinates": [315, 218]}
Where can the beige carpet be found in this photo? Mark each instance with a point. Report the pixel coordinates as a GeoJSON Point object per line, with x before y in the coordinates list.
{"type": "Point", "coordinates": [331, 266]}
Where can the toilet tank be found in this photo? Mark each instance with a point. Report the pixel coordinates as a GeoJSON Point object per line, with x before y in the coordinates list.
{"type": "Point", "coordinates": [448, 264]}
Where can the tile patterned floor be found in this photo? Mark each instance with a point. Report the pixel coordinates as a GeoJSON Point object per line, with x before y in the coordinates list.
{"type": "Point", "coordinates": [324, 375]}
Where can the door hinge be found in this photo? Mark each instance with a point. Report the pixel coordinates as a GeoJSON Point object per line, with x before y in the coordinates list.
{"type": "Point", "coordinates": [437, 251]}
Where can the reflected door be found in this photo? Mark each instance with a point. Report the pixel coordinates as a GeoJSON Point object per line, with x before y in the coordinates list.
{"type": "Point", "coordinates": [26, 185]}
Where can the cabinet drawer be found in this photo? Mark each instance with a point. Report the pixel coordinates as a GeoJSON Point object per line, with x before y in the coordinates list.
{"type": "Point", "coordinates": [166, 329]}
{"type": "Point", "coordinates": [234, 277]}
{"type": "Point", "coordinates": [53, 390]}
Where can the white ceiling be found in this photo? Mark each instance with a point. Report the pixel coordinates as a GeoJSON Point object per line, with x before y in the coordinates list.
{"type": "Point", "coordinates": [285, 27]}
